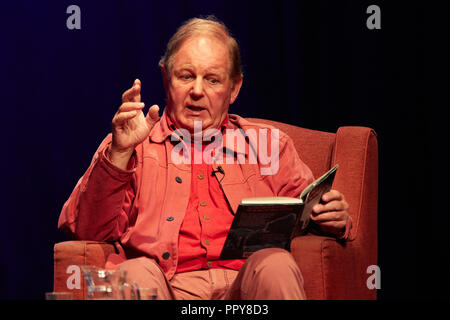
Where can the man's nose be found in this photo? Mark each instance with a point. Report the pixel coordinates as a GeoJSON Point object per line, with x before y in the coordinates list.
{"type": "Point", "coordinates": [197, 88]}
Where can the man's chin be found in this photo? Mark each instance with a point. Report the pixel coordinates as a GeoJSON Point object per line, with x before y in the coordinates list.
{"type": "Point", "coordinates": [195, 124]}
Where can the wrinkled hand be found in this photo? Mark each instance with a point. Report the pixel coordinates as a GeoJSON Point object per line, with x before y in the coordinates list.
{"type": "Point", "coordinates": [129, 125]}
{"type": "Point", "coordinates": [331, 216]}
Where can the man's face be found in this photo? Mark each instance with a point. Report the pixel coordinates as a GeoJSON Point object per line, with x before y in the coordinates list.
{"type": "Point", "coordinates": [199, 86]}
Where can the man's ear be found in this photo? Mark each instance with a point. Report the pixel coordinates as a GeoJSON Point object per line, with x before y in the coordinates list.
{"type": "Point", "coordinates": [165, 77]}
{"type": "Point", "coordinates": [237, 84]}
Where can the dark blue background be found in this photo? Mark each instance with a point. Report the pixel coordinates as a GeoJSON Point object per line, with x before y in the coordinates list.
{"type": "Point", "coordinates": [310, 63]}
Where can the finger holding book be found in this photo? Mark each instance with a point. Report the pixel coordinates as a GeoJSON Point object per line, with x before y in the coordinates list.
{"type": "Point", "coordinates": [331, 214]}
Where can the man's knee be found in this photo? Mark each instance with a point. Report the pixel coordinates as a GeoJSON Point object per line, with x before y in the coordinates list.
{"type": "Point", "coordinates": [272, 260]}
{"type": "Point", "coordinates": [146, 273]}
{"type": "Point", "coordinates": [269, 274]}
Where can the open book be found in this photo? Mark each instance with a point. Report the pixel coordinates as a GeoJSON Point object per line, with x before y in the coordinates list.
{"type": "Point", "coordinates": [271, 222]}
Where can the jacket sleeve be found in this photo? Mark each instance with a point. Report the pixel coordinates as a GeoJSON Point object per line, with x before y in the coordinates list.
{"type": "Point", "coordinates": [99, 206]}
{"type": "Point", "coordinates": [293, 174]}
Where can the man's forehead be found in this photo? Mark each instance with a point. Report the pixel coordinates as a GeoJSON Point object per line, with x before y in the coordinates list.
{"type": "Point", "coordinates": [203, 48]}
{"type": "Point", "coordinates": [204, 40]}
{"type": "Point", "coordinates": [219, 69]}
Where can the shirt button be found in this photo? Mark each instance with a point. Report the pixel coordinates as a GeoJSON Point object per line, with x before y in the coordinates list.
{"type": "Point", "coordinates": [166, 255]}
{"type": "Point", "coordinates": [170, 218]}
{"type": "Point", "coordinates": [203, 204]}
{"type": "Point", "coordinates": [200, 176]}
{"type": "Point", "coordinates": [209, 264]}
{"type": "Point", "coordinates": [206, 217]}
{"type": "Point", "coordinates": [178, 179]}
{"type": "Point", "coordinates": [207, 242]}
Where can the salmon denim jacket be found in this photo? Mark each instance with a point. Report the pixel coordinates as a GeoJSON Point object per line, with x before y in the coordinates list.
{"type": "Point", "coordinates": [141, 209]}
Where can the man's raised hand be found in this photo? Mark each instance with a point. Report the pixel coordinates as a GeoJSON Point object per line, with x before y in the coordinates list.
{"type": "Point", "coordinates": [129, 125]}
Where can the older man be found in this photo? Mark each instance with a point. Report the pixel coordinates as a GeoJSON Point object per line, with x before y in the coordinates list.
{"type": "Point", "coordinates": [169, 219]}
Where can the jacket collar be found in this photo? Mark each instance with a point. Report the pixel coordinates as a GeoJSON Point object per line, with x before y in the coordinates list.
{"type": "Point", "coordinates": [161, 130]}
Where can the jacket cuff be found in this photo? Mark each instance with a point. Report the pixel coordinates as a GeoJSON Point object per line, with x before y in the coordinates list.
{"type": "Point", "coordinates": [112, 169]}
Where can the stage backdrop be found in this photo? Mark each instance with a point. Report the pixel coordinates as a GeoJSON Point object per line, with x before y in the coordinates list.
{"type": "Point", "coordinates": [314, 64]}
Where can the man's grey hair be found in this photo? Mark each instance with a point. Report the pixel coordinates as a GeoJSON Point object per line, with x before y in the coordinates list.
{"type": "Point", "coordinates": [209, 25]}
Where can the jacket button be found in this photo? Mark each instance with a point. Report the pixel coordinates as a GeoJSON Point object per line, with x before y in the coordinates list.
{"type": "Point", "coordinates": [170, 218]}
{"type": "Point", "coordinates": [178, 179]}
{"type": "Point", "coordinates": [166, 255]}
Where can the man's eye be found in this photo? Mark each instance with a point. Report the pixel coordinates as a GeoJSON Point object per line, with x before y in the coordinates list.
{"type": "Point", "coordinates": [186, 77]}
{"type": "Point", "coordinates": [213, 81]}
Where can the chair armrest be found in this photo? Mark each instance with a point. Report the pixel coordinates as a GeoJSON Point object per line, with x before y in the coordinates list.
{"type": "Point", "coordinates": [331, 269]}
{"type": "Point", "coordinates": [356, 152]}
{"type": "Point", "coordinates": [69, 256]}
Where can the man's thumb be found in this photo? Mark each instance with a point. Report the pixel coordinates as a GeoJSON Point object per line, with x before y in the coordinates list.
{"type": "Point", "coordinates": [153, 114]}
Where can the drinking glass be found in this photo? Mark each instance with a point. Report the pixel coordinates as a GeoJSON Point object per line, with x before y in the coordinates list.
{"type": "Point", "coordinates": [105, 284]}
{"type": "Point", "coordinates": [58, 296]}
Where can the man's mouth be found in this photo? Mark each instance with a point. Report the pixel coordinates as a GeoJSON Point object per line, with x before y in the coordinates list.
{"type": "Point", "coordinates": [195, 108]}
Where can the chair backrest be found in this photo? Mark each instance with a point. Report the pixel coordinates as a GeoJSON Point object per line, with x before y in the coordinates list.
{"type": "Point", "coordinates": [315, 148]}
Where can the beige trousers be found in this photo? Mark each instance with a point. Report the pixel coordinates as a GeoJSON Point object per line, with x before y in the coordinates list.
{"type": "Point", "coordinates": [268, 274]}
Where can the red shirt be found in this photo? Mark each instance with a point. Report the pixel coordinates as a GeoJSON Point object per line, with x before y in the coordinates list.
{"type": "Point", "coordinates": [207, 220]}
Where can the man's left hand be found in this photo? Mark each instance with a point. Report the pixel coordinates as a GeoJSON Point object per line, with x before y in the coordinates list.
{"type": "Point", "coordinates": [332, 214]}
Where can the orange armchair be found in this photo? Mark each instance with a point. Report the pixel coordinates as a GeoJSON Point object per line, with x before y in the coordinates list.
{"type": "Point", "coordinates": [331, 269]}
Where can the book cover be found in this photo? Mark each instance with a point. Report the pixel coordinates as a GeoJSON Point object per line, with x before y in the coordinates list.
{"type": "Point", "coordinates": [272, 222]}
